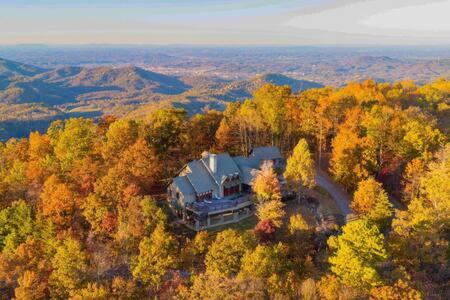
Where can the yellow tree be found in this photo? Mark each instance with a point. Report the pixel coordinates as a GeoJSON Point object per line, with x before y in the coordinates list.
{"type": "Point", "coordinates": [157, 255]}
{"type": "Point", "coordinates": [69, 268]}
{"type": "Point", "coordinates": [371, 201]}
{"type": "Point", "coordinates": [225, 254]}
{"type": "Point", "coordinates": [266, 187]}
{"type": "Point", "coordinates": [351, 158]}
{"type": "Point", "coordinates": [120, 135]}
{"type": "Point", "coordinates": [265, 261]}
{"type": "Point", "coordinates": [270, 101]}
{"type": "Point", "coordinates": [75, 141]}
{"type": "Point", "coordinates": [300, 172]}
{"type": "Point", "coordinates": [251, 125]}
{"type": "Point", "coordinates": [357, 253]}
{"type": "Point", "coordinates": [400, 290]}
{"type": "Point", "coordinates": [419, 233]}
{"type": "Point", "coordinates": [411, 179]}
{"type": "Point", "coordinates": [31, 287]}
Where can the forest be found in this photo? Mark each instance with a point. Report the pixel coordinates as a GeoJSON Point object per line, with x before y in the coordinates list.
{"type": "Point", "coordinates": [83, 216]}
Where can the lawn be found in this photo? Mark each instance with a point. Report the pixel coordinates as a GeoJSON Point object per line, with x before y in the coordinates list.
{"type": "Point", "coordinates": [244, 225]}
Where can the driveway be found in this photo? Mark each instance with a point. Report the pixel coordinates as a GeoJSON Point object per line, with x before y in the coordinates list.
{"type": "Point", "coordinates": [338, 193]}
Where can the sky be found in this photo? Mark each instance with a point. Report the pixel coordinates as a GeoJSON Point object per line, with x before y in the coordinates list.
{"type": "Point", "coordinates": [226, 22]}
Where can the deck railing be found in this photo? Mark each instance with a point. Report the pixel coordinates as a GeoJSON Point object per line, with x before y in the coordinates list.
{"type": "Point", "coordinates": [216, 204]}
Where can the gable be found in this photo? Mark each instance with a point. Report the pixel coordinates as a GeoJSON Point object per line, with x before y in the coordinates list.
{"type": "Point", "coordinates": [225, 167]}
{"type": "Point", "coordinates": [199, 177]}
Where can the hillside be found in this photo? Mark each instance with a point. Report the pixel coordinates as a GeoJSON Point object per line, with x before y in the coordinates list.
{"type": "Point", "coordinates": [70, 84]}
{"type": "Point", "coordinates": [10, 68]}
{"type": "Point", "coordinates": [32, 93]}
{"type": "Point", "coordinates": [245, 88]}
{"type": "Point", "coordinates": [215, 93]}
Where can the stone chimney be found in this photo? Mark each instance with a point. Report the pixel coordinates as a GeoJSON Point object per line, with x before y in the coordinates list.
{"type": "Point", "coordinates": [213, 162]}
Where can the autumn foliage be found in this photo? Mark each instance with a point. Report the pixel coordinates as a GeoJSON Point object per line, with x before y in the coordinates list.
{"type": "Point", "coordinates": [82, 214]}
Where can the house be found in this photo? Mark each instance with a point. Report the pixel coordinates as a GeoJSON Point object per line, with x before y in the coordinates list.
{"type": "Point", "coordinates": [216, 189]}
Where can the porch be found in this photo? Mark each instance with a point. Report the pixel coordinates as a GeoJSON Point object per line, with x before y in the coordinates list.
{"type": "Point", "coordinates": [216, 212]}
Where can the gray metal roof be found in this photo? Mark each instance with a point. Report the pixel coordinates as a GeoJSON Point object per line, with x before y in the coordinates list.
{"type": "Point", "coordinates": [200, 178]}
{"type": "Point", "coordinates": [242, 161]}
{"type": "Point", "coordinates": [248, 174]}
{"type": "Point", "coordinates": [184, 185]}
{"type": "Point", "coordinates": [269, 152]}
{"type": "Point", "coordinates": [225, 166]}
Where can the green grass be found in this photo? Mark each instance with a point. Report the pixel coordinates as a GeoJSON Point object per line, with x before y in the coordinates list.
{"type": "Point", "coordinates": [243, 225]}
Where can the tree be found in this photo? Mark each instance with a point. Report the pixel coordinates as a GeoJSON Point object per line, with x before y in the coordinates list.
{"type": "Point", "coordinates": [266, 185]}
{"type": "Point", "coordinates": [329, 287]}
{"type": "Point", "coordinates": [350, 162]}
{"type": "Point", "coordinates": [39, 146]}
{"type": "Point", "coordinates": [309, 290]}
{"type": "Point", "coordinates": [139, 164]}
{"type": "Point", "coordinates": [193, 253]}
{"type": "Point", "coordinates": [29, 257]}
{"type": "Point", "coordinates": [297, 224]}
{"type": "Point", "coordinates": [264, 261]}
{"type": "Point", "coordinates": [270, 101]}
{"type": "Point", "coordinates": [225, 253]}
{"type": "Point", "coordinates": [120, 135]}
{"type": "Point", "coordinates": [165, 129]}
{"type": "Point", "coordinates": [251, 126]}
{"type": "Point", "coordinates": [69, 268]}
{"type": "Point", "coordinates": [157, 255]}
{"type": "Point", "coordinates": [16, 224]}
{"type": "Point", "coordinates": [125, 289]}
{"type": "Point", "coordinates": [271, 210]}
{"type": "Point", "coordinates": [419, 233]}
{"type": "Point", "coordinates": [200, 132]}
{"type": "Point", "coordinates": [371, 201]}
{"type": "Point", "coordinates": [216, 287]}
{"type": "Point", "coordinates": [411, 179]}
{"type": "Point", "coordinates": [421, 137]}
{"type": "Point", "coordinates": [268, 195]}
{"type": "Point", "coordinates": [400, 290]}
{"type": "Point", "coordinates": [140, 218]}
{"type": "Point", "coordinates": [95, 211]}
{"type": "Point", "coordinates": [357, 252]}
{"type": "Point", "coordinates": [14, 181]}
{"type": "Point", "coordinates": [300, 170]}
{"type": "Point", "coordinates": [110, 188]}
{"type": "Point", "coordinates": [227, 134]}
{"type": "Point", "coordinates": [75, 141]}
{"type": "Point", "coordinates": [58, 202]}
{"type": "Point", "coordinates": [265, 230]}
{"type": "Point", "coordinates": [31, 287]}
{"type": "Point", "coordinates": [382, 127]}
{"type": "Point", "coordinates": [91, 291]}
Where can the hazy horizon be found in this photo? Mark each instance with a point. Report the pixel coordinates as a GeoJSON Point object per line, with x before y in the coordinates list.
{"type": "Point", "coordinates": [219, 23]}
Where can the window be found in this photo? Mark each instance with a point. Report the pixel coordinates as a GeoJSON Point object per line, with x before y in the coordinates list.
{"type": "Point", "coordinates": [228, 191]}
{"type": "Point", "coordinates": [204, 196]}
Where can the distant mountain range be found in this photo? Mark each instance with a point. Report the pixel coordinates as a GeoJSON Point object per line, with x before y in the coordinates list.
{"type": "Point", "coordinates": [29, 93]}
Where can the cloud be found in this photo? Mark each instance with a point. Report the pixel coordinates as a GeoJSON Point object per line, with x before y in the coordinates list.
{"type": "Point", "coordinates": [419, 18]}
{"type": "Point", "coordinates": [380, 18]}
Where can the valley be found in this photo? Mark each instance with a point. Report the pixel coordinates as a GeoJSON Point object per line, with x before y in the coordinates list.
{"type": "Point", "coordinates": [36, 89]}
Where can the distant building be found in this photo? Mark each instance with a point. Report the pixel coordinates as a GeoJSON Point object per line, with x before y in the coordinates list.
{"type": "Point", "coordinates": [216, 189]}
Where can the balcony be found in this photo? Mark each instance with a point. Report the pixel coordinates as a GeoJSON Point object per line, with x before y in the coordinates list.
{"type": "Point", "coordinates": [216, 205]}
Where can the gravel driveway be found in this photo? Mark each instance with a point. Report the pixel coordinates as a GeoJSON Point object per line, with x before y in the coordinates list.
{"type": "Point", "coordinates": [338, 193]}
